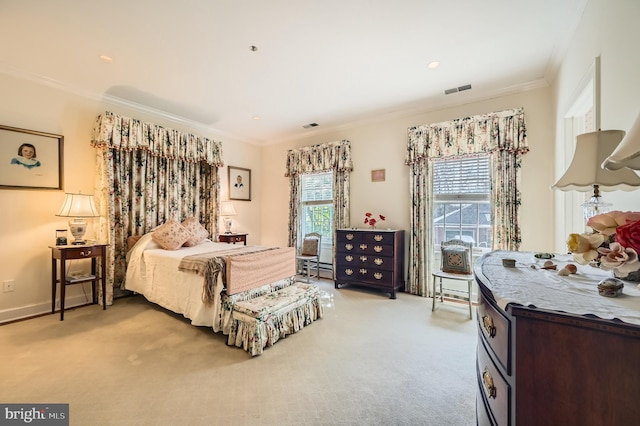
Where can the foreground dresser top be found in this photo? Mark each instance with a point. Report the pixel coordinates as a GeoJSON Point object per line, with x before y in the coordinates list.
{"type": "Point", "coordinates": [529, 285]}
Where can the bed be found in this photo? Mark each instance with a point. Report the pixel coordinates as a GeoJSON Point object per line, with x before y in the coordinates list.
{"type": "Point", "coordinates": [161, 277]}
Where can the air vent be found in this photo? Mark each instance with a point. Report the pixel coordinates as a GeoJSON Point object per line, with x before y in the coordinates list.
{"type": "Point", "coordinates": [457, 89]}
{"type": "Point", "coordinates": [310, 125]}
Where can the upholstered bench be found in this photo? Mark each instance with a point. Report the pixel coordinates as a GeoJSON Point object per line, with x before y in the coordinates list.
{"type": "Point", "coordinates": [260, 322]}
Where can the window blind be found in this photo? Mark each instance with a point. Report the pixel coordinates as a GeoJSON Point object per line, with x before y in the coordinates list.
{"type": "Point", "coordinates": [460, 177]}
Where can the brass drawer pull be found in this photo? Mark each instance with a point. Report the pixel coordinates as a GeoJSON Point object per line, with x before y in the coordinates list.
{"type": "Point", "coordinates": [377, 249]}
{"type": "Point", "coordinates": [378, 261]}
{"type": "Point", "coordinates": [363, 271]}
{"type": "Point", "coordinates": [487, 380]}
{"type": "Point", "coordinates": [363, 258]}
{"type": "Point", "coordinates": [363, 246]}
{"type": "Point", "coordinates": [348, 258]}
{"type": "Point", "coordinates": [378, 238]}
{"type": "Point", "coordinates": [348, 271]}
{"type": "Point", "coordinates": [349, 236]}
{"type": "Point", "coordinates": [348, 246]}
{"type": "Point", "coordinates": [487, 323]}
{"type": "Point", "coordinates": [85, 253]}
{"type": "Point", "coordinates": [377, 275]}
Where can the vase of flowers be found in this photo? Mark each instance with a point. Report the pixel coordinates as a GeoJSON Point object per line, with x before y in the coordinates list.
{"type": "Point", "coordinates": [370, 220]}
{"type": "Point", "coordinates": [613, 246]}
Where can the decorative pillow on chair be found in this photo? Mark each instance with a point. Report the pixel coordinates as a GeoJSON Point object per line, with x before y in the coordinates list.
{"type": "Point", "coordinates": [309, 247]}
{"type": "Point", "coordinates": [455, 260]}
{"type": "Point", "coordinates": [171, 236]}
{"type": "Point", "coordinates": [198, 232]}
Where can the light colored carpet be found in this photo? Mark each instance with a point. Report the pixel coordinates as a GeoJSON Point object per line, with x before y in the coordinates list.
{"type": "Point", "coordinates": [369, 361]}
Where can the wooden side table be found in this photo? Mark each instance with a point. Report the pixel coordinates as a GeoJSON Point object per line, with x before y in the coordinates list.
{"type": "Point", "coordinates": [71, 252]}
{"type": "Point", "coordinates": [233, 238]}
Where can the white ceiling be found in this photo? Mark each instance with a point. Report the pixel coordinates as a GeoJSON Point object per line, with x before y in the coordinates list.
{"type": "Point", "coordinates": [326, 61]}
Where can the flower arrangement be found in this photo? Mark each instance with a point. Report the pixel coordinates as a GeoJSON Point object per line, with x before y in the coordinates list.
{"type": "Point", "coordinates": [614, 244]}
{"type": "Point", "coordinates": [371, 221]}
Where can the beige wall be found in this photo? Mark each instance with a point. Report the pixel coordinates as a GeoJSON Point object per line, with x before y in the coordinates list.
{"type": "Point", "coordinates": [382, 144]}
{"type": "Point", "coordinates": [608, 29]}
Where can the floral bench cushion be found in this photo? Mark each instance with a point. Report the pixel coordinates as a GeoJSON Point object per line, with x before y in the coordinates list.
{"type": "Point", "coordinates": [260, 322]}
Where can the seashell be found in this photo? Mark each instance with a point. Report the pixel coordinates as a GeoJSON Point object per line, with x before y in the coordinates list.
{"type": "Point", "coordinates": [564, 272]}
{"type": "Point", "coordinates": [549, 265]}
{"type": "Point", "coordinates": [571, 267]}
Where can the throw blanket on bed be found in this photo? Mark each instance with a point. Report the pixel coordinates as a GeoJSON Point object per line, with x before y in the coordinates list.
{"type": "Point", "coordinates": [241, 268]}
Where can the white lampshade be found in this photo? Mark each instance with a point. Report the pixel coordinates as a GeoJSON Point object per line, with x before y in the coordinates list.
{"type": "Point", "coordinates": [227, 209]}
{"type": "Point", "coordinates": [584, 171]}
{"type": "Point", "coordinates": [78, 206]}
{"type": "Point", "coordinates": [627, 153]}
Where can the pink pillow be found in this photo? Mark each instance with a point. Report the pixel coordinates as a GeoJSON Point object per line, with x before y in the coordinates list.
{"type": "Point", "coordinates": [171, 235]}
{"type": "Point", "coordinates": [198, 232]}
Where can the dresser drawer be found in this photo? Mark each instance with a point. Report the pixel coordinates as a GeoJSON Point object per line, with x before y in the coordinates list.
{"type": "Point", "coordinates": [373, 237]}
{"type": "Point", "coordinates": [493, 388]}
{"type": "Point", "coordinates": [349, 236]}
{"type": "Point", "coordinates": [365, 275]}
{"type": "Point", "coordinates": [496, 331]}
{"type": "Point", "coordinates": [483, 418]}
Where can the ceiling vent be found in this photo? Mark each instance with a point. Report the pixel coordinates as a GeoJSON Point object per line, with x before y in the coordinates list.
{"type": "Point", "coordinates": [457, 89]}
{"type": "Point", "coordinates": [310, 125]}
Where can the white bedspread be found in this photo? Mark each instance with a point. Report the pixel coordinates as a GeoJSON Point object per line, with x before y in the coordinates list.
{"type": "Point", "coordinates": [153, 272]}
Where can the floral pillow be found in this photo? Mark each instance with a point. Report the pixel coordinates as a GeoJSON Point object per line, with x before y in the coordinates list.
{"type": "Point", "coordinates": [171, 235]}
{"type": "Point", "coordinates": [456, 260]}
{"type": "Point", "coordinates": [198, 232]}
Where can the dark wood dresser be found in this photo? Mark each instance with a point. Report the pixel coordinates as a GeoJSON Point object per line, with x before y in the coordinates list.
{"type": "Point", "coordinates": [542, 363]}
{"type": "Point", "coordinates": [372, 258]}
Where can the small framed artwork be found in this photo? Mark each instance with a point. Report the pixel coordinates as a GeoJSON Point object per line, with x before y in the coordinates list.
{"type": "Point", "coordinates": [239, 183]}
{"type": "Point", "coordinates": [30, 159]}
{"type": "Point", "coordinates": [377, 175]}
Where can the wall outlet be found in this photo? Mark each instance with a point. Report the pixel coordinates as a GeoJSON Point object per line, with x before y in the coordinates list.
{"type": "Point", "coordinates": [8, 285]}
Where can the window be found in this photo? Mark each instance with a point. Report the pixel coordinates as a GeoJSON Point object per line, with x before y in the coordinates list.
{"type": "Point", "coordinates": [316, 212]}
{"type": "Point", "coordinates": [461, 207]}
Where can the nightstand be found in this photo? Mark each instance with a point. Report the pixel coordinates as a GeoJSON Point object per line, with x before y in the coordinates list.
{"type": "Point", "coordinates": [233, 238]}
{"type": "Point", "coordinates": [72, 252]}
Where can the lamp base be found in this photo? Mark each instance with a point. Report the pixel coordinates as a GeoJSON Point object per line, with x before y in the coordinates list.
{"type": "Point", "coordinates": [227, 226]}
{"type": "Point", "coordinates": [78, 227]}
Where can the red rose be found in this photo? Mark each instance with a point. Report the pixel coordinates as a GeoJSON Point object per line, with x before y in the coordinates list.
{"type": "Point", "coordinates": [628, 235]}
{"type": "Point", "coordinates": [382, 217]}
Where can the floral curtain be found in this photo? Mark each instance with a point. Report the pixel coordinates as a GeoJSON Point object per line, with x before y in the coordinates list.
{"type": "Point", "coordinates": [502, 135]}
{"type": "Point", "coordinates": [145, 175]}
{"type": "Point", "coordinates": [335, 156]}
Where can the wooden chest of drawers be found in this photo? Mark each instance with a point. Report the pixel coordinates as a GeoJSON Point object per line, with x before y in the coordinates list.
{"type": "Point", "coordinates": [540, 366]}
{"type": "Point", "coordinates": [371, 258]}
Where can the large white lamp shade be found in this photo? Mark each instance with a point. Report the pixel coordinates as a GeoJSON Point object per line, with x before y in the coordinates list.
{"type": "Point", "coordinates": [585, 173]}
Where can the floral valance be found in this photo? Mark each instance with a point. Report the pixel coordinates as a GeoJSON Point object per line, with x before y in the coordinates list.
{"type": "Point", "coordinates": [128, 134]}
{"type": "Point", "coordinates": [316, 158]}
{"type": "Point", "coordinates": [485, 133]}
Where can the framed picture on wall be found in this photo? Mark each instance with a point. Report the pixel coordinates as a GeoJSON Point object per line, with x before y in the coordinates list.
{"type": "Point", "coordinates": [239, 183]}
{"type": "Point", "coordinates": [30, 159]}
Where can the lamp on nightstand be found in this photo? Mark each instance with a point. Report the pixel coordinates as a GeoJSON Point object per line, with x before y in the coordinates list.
{"type": "Point", "coordinates": [226, 210]}
{"type": "Point", "coordinates": [78, 206]}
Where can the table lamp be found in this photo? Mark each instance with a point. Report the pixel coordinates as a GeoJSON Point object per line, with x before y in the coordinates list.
{"type": "Point", "coordinates": [226, 210]}
{"type": "Point", "coordinates": [78, 206]}
{"type": "Point", "coordinates": [586, 174]}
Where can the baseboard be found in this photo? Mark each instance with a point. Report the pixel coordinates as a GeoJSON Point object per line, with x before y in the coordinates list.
{"type": "Point", "coordinates": [30, 311]}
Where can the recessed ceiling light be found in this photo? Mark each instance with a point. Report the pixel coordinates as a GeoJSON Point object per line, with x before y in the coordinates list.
{"type": "Point", "coordinates": [106, 59]}
{"type": "Point", "coordinates": [433, 65]}
{"type": "Point", "coordinates": [310, 125]}
{"type": "Point", "coordinates": [257, 117]}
